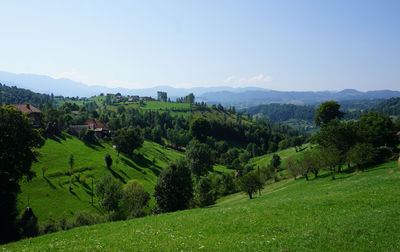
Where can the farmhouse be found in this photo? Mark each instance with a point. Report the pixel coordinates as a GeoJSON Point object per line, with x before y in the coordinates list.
{"type": "Point", "coordinates": [100, 128]}
{"type": "Point", "coordinates": [31, 112]}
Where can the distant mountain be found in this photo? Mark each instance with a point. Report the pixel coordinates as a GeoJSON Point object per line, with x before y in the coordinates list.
{"type": "Point", "coordinates": [227, 96]}
{"type": "Point", "coordinates": [66, 87]}
{"type": "Point", "coordinates": [252, 98]}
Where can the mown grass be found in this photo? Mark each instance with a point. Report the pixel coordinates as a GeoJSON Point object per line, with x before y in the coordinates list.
{"type": "Point", "coordinates": [50, 195]}
{"type": "Point", "coordinates": [355, 212]}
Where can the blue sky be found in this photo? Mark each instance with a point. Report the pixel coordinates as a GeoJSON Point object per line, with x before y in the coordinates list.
{"type": "Point", "coordinates": [282, 45]}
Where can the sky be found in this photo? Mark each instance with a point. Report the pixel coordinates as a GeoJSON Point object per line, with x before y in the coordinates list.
{"type": "Point", "coordinates": [281, 45]}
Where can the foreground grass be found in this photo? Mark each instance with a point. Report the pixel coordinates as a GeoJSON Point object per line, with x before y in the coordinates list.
{"type": "Point", "coordinates": [356, 212]}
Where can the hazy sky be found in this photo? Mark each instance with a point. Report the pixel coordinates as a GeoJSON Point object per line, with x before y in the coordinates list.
{"type": "Point", "coordinates": [282, 45]}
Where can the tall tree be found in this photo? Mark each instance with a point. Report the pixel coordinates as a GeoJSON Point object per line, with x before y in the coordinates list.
{"type": "Point", "coordinates": [199, 128]}
{"type": "Point", "coordinates": [174, 188]}
{"type": "Point", "coordinates": [108, 160]}
{"type": "Point", "coordinates": [128, 140]}
{"type": "Point", "coordinates": [198, 156]}
{"type": "Point", "coordinates": [327, 112]}
{"type": "Point", "coordinates": [378, 129]}
{"type": "Point", "coordinates": [18, 140]}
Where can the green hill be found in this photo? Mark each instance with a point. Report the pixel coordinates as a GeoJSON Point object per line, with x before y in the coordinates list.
{"type": "Point", "coordinates": [50, 194]}
{"type": "Point", "coordinates": [356, 212]}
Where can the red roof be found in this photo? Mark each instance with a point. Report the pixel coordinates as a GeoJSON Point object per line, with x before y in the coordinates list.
{"type": "Point", "coordinates": [96, 124]}
{"type": "Point", "coordinates": [26, 108]}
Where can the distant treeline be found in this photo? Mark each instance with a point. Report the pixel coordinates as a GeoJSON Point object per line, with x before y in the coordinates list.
{"type": "Point", "coordinates": [283, 112]}
{"type": "Point", "coordinates": [352, 109]}
{"type": "Point", "coordinates": [13, 95]}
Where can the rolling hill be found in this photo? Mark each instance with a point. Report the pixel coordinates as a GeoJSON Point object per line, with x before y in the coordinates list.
{"type": "Point", "coordinates": [356, 212]}
{"type": "Point", "coordinates": [49, 195]}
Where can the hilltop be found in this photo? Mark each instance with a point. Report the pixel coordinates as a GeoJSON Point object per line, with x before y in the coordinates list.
{"type": "Point", "coordinates": [357, 212]}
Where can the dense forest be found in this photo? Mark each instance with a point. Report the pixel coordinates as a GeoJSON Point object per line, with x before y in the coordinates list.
{"type": "Point", "coordinates": [283, 112]}
{"type": "Point", "coordinates": [13, 95]}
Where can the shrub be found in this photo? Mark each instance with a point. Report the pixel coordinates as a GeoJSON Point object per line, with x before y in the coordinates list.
{"type": "Point", "coordinates": [135, 198]}
{"type": "Point", "coordinates": [48, 226]}
{"type": "Point", "coordinates": [84, 219]}
{"type": "Point", "coordinates": [205, 193]}
{"type": "Point", "coordinates": [109, 192]}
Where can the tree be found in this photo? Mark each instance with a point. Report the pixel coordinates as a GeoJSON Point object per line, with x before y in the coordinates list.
{"type": "Point", "coordinates": [198, 156]}
{"type": "Point", "coordinates": [339, 135]}
{"type": "Point", "coordinates": [327, 112]}
{"type": "Point", "coordinates": [108, 160]}
{"type": "Point", "coordinates": [310, 162]}
{"type": "Point", "coordinates": [293, 167]}
{"type": "Point", "coordinates": [297, 141]}
{"type": "Point", "coordinates": [190, 98]}
{"type": "Point", "coordinates": [199, 128]}
{"type": "Point", "coordinates": [18, 140]}
{"type": "Point", "coordinates": [275, 162]}
{"type": "Point", "coordinates": [109, 192]}
{"type": "Point", "coordinates": [174, 188]}
{"type": "Point", "coordinates": [362, 154]}
{"type": "Point", "coordinates": [330, 158]}
{"type": "Point", "coordinates": [128, 140]}
{"type": "Point", "coordinates": [205, 193]}
{"type": "Point", "coordinates": [135, 198]}
{"type": "Point", "coordinates": [71, 162]}
{"type": "Point", "coordinates": [250, 183]}
{"type": "Point", "coordinates": [378, 129]}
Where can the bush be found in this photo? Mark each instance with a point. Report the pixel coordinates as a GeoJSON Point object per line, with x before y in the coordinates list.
{"type": "Point", "coordinates": [48, 226]}
{"type": "Point", "coordinates": [205, 193]}
{"type": "Point", "coordinates": [228, 184]}
{"type": "Point", "coordinates": [84, 219]}
{"type": "Point", "coordinates": [135, 198]}
{"type": "Point", "coordinates": [109, 192]}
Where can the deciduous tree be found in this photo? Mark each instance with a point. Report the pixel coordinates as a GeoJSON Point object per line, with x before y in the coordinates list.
{"type": "Point", "coordinates": [18, 140]}
{"type": "Point", "coordinates": [174, 188]}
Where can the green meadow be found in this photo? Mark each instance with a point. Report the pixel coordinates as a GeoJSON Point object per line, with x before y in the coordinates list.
{"type": "Point", "coordinates": [359, 211]}
{"type": "Point", "coordinates": [50, 195]}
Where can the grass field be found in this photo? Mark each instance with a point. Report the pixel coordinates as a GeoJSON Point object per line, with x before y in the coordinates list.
{"type": "Point", "coordinates": [50, 194]}
{"type": "Point", "coordinates": [355, 212]}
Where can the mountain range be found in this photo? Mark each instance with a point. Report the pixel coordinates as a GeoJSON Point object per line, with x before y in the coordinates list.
{"type": "Point", "coordinates": [227, 96]}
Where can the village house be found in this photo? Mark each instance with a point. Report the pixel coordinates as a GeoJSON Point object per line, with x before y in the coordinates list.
{"type": "Point", "coordinates": [133, 98]}
{"type": "Point", "coordinates": [100, 128]}
{"type": "Point", "coordinates": [146, 98]}
{"type": "Point", "coordinates": [31, 112]}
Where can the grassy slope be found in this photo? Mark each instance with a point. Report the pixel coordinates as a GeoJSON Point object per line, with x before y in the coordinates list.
{"type": "Point", "coordinates": [51, 194]}
{"type": "Point", "coordinates": [356, 212]}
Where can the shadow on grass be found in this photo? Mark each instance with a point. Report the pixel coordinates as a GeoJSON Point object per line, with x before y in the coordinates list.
{"type": "Point", "coordinates": [130, 163]}
{"type": "Point", "coordinates": [94, 146]}
{"type": "Point", "coordinates": [117, 176]}
{"type": "Point", "coordinates": [121, 171]}
{"type": "Point", "coordinates": [52, 186]}
{"type": "Point", "coordinates": [85, 185]}
{"type": "Point", "coordinates": [73, 193]}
